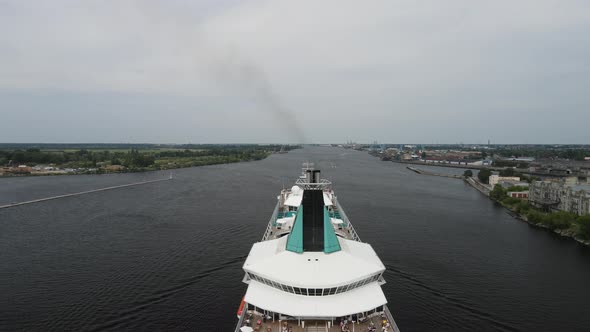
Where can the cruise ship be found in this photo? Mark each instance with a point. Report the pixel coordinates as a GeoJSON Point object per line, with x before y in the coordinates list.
{"type": "Point", "coordinates": [311, 272]}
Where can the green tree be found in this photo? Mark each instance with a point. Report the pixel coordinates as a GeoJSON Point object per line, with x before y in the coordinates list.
{"type": "Point", "coordinates": [498, 193]}
{"type": "Point", "coordinates": [535, 216]}
{"type": "Point", "coordinates": [517, 188]}
{"type": "Point", "coordinates": [484, 175]}
{"type": "Point", "coordinates": [559, 220]}
{"type": "Point", "coordinates": [468, 173]}
{"type": "Point", "coordinates": [584, 230]}
{"type": "Point", "coordinates": [522, 207]}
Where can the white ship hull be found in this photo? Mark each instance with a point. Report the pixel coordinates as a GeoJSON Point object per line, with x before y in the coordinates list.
{"type": "Point", "coordinates": [311, 271]}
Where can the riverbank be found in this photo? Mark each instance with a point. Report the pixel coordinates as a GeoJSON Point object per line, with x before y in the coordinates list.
{"type": "Point", "coordinates": [477, 185]}
{"type": "Point", "coordinates": [52, 161]}
{"type": "Point", "coordinates": [177, 164]}
{"type": "Point", "coordinates": [449, 165]}
{"type": "Point", "coordinates": [570, 232]}
{"type": "Point", "coordinates": [563, 232]}
{"type": "Point", "coordinates": [563, 223]}
{"type": "Point", "coordinates": [424, 172]}
{"type": "Point", "coordinates": [477, 167]}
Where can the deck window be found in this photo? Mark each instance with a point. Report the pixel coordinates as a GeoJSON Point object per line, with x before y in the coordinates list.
{"type": "Point", "coordinates": [316, 291]}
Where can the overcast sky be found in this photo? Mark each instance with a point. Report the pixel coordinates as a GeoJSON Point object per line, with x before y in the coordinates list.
{"type": "Point", "coordinates": [314, 71]}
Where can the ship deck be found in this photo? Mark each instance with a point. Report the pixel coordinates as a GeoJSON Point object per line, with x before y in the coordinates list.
{"type": "Point", "coordinates": [282, 220]}
{"type": "Point", "coordinates": [279, 225]}
{"type": "Point", "coordinates": [377, 321]}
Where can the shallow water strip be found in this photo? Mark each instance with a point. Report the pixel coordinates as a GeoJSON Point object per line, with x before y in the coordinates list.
{"type": "Point", "coordinates": [81, 193]}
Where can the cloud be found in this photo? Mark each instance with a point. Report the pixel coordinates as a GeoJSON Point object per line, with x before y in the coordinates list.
{"type": "Point", "coordinates": [321, 70]}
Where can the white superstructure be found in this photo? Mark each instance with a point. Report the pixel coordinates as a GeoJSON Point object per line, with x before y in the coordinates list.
{"type": "Point", "coordinates": [311, 269]}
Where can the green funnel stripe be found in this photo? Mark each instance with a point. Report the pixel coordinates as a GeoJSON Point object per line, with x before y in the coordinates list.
{"type": "Point", "coordinates": [295, 239]}
{"type": "Point", "coordinates": [331, 243]}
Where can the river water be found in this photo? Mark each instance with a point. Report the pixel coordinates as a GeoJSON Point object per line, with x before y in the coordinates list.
{"type": "Point", "coordinates": [168, 255]}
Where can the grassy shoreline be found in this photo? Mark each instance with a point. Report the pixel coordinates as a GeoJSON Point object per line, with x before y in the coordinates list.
{"type": "Point", "coordinates": [98, 160]}
{"type": "Point", "coordinates": [563, 223]}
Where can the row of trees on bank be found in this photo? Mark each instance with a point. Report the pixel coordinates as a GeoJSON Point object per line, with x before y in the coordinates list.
{"type": "Point", "coordinates": [135, 158]}
{"type": "Point", "coordinates": [561, 220]}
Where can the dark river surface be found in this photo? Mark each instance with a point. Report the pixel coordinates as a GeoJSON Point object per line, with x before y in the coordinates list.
{"type": "Point", "coordinates": [168, 255]}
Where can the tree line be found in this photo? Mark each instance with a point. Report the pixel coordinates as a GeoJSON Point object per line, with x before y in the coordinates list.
{"type": "Point", "coordinates": [134, 158]}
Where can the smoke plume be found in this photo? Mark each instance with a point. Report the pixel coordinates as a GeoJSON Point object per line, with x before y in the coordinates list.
{"type": "Point", "coordinates": [252, 79]}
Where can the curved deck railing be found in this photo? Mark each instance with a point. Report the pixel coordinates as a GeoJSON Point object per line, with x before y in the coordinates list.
{"type": "Point", "coordinates": [346, 221]}
{"type": "Point", "coordinates": [241, 319]}
{"type": "Point", "coordinates": [390, 319]}
{"type": "Point", "coordinates": [273, 218]}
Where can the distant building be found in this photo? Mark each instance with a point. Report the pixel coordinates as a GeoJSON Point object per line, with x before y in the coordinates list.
{"type": "Point", "coordinates": [574, 198]}
{"type": "Point", "coordinates": [570, 181]}
{"type": "Point", "coordinates": [495, 179]}
{"type": "Point", "coordinates": [519, 194]}
{"type": "Point", "coordinates": [560, 171]}
{"type": "Point", "coordinates": [485, 162]}
{"type": "Point", "coordinates": [21, 169]}
{"type": "Point", "coordinates": [510, 183]}
{"type": "Point", "coordinates": [524, 159]}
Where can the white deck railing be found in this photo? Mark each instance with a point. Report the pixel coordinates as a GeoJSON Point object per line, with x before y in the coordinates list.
{"type": "Point", "coordinates": [241, 319]}
{"type": "Point", "coordinates": [348, 223]}
{"type": "Point", "coordinates": [390, 319]}
{"type": "Point", "coordinates": [273, 218]}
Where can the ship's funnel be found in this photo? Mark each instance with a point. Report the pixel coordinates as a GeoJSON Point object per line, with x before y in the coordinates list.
{"type": "Point", "coordinates": [313, 220]}
{"type": "Point", "coordinates": [312, 230]}
{"type": "Point", "coordinates": [312, 175]}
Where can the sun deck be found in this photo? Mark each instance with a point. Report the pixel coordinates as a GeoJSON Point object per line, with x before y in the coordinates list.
{"type": "Point", "coordinates": [283, 217]}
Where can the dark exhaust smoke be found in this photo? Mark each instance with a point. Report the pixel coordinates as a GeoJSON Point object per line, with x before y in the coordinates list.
{"type": "Point", "coordinates": [253, 79]}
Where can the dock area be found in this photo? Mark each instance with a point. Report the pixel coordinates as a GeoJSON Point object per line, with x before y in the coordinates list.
{"type": "Point", "coordinates": [478, 185]}
{"type": "Point", "coordinates": [423, 172]}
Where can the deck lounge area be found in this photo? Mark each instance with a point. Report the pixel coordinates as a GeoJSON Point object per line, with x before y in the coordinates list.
{"type": "Point", "coordinates": [377, 322]}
